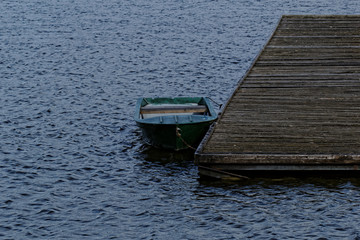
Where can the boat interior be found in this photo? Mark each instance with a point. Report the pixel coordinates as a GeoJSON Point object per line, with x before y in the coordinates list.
{"type": "Point", "coordinates": [156, 110]}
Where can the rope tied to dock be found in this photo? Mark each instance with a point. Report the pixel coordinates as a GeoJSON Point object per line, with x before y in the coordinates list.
{"type": "Point", "coordinates": [179, 135]}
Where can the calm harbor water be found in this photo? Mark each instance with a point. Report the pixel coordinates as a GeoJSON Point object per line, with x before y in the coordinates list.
{"type": "Point", "coordinates": [72, 164]}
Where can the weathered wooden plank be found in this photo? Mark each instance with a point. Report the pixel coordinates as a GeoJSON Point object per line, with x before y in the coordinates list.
{"type": "Point", "coordinates": [312, 52]}
{"type": "Point", "coordinates": [328, 25]}
{"type": "Point", "coordinates": [315, 41]}
{"type": "Point", "coordinates": [304, 69]}
{"type": "Point", "coordinates": [302, 159]}
{"type": "Point", "coordinates": [312, 78]}
{"type": "Point", "coordinates": [303, 31]}
{"type": "Point", "coordinates": [309, 62]}
{"type": "Point", "coordinates": [295, 84]}
{"type": "Point", "coordinates": [319, 17]}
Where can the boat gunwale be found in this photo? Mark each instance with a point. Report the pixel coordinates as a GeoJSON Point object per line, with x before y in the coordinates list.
{"type": "Point", "coordinates": [210, 118]}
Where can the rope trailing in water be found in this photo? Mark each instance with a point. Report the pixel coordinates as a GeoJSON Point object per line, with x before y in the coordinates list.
{"type": "Point", "coordinates": [217, 104]}
{"type": "Point", "coordinates": [179, 135]}
{"type": "Point", "coordinates": [223, 174]}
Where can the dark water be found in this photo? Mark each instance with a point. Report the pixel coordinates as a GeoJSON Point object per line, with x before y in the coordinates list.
{"type": "Point", "coordinates": [72, 165]}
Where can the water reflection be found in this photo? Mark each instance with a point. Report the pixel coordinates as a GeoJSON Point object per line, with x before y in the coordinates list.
{"type": "Point", "coordinates": [163, 156]}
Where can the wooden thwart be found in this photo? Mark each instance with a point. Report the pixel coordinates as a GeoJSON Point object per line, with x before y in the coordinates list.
{"type": "Point", "coordinates": [298, 106]}
{"type": "Point", "coordinates": [173, 109]}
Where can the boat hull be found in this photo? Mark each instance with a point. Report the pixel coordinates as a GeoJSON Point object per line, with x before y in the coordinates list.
{"type": "Point", "coordinates": [175, 137]}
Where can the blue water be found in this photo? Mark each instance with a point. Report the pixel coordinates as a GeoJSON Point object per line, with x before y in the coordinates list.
{"type": "Point", "coordinates": [72, 163]}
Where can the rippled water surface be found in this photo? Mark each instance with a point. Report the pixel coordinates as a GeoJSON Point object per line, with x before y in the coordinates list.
{"type": "Point", "coordinates": [72, 164]}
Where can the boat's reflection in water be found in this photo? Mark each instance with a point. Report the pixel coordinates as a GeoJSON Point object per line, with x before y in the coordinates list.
{"type": "Point", "coordinates": [164, 156]}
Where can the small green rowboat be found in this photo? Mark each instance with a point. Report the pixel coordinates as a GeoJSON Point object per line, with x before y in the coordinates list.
{"type": "Point", "coordinates": [174, 123]}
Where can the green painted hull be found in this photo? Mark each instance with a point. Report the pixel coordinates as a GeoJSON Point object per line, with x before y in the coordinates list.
{"type": "Point", "coordinates": [167, 136]}
{"type": "Point", "coordinates": [175, 132]}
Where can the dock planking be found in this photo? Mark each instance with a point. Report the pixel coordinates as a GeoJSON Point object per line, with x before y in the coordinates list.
{"type": "Point", "coordinates": [298, 106]}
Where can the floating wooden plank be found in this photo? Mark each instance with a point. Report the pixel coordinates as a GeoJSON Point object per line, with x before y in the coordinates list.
{"type": "Point", "coordinates": [298, 106]}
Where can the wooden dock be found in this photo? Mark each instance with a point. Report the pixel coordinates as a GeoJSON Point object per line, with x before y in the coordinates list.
{"type": "Point", "coordinates": [298, 106]}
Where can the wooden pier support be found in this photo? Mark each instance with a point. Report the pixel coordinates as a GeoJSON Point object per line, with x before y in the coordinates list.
{"type": "Point", "coordinates": [298, 106]}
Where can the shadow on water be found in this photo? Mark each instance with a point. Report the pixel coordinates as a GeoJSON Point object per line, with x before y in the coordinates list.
{"type": "Point", "coordinates": [165, 164]}
{"type": "Point", "coordinates": [272, 181]}
{"type": "Point", "coordinates": [152, 154]}
{"type": "Point", "coordinates": [185, 159]}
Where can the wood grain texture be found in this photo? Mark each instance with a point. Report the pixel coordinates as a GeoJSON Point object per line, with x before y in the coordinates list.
{"type": "Point", "coordinates": [299, 103]}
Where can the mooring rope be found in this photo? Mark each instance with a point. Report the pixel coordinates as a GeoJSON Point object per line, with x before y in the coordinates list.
{"type": "Point", "coordinates": [179, 135]}
{"type": "Point", "coordinates": [218, 104]}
